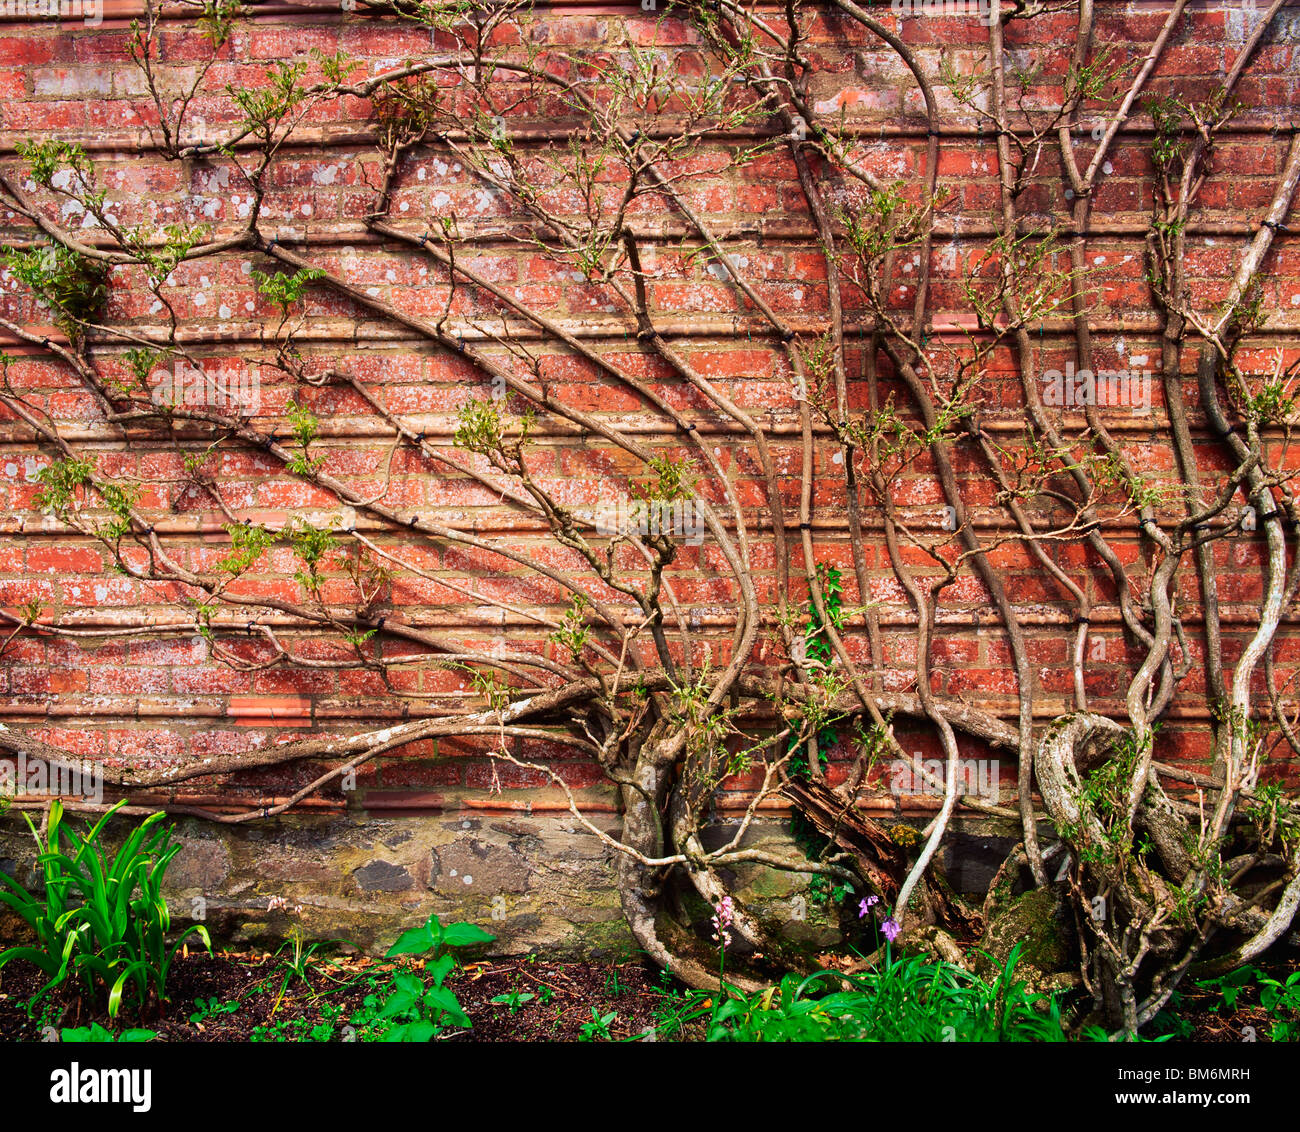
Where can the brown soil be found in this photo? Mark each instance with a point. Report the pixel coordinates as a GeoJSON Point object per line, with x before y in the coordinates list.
{"type": "Point", "coordinates": [322, 1009]}
{"type": "Point", "coordinates": [243, 997]}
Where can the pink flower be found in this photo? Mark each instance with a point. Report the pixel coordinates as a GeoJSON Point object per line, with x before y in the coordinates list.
{"type": "Point", "coordinates": [724, 913]}
{"type": "Point", "coordinates": [866, 903]}
{"type": "Point", "coordinates": [891, 929]}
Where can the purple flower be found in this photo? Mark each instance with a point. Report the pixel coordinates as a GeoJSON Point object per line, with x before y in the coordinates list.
{"type": "Point", "coordinates": [866, 903]}
{"type": "Point", "coordinates": [891, 929]}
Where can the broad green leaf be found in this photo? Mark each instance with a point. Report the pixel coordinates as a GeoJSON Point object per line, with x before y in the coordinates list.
{"type": "Point", "coordinates": [422, 1031]}
{"type": "Point", "coordinates": [415, 942]}
{"type": "Point", "coordinates": [440, 998]}
{"type": "Point", "coordinates": [408, 982]}
{"type": "Point", "coordinates": [440, 968]}
{"type": "Point", "coordinates": [398, 1003]}
{"type": "Point", "coordinates": [463, 935]}
{"type": "Point", "coordinates": [92, 1033]}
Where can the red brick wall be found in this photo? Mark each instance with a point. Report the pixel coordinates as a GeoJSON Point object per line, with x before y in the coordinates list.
{"type": "Point", "coordinates": [157, 699]}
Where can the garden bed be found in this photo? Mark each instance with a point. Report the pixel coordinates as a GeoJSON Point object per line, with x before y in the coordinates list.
{"type": "Point", "coordinates": [242, 997]}
{"type": "Point", "coordinates": [236, 997]}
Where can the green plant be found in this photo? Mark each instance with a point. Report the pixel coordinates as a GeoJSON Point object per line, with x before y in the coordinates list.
{"type": "Point", "coordinates": [305, 425]}
{"type": "Point", "coordinates": [1230, 986]}
{"type": "Point", "coordinates": [598, 1027]}
{"type": "Point", "coordinates": [301, 960]}
{"type": "Point", "coordinates": [284, 289]}
{"type": "Point", "coordinates": [212, 1008]}
{"type": "Point", "coordinates": [248, 542]}
{"type": "Point", "coordinates": [49, 156]}
{"type": "Point", "coordinates": [63, 491]}
{"type": "Point", "coordinates": [905, 1000]}
{"type": "Point", "coordinates": [1170, 1023]}
{"type": "Point", "coordinates": [73, 286]}
{"type": "Point", "coordinates": [89, 921]}
{"type": "Point", "coordinates": [302, 1029]}
{"type": "Point", "coordinates": [418, 1009]}
{"type": "Point", "coordinates": [96, 1033]}
{"type": "Point", "coordinates": [823, 890]}
{"type": "Point", "coordinates": [514, 999]}
{"type": "Point", "coordinates": [673, 481]}
{"type": "Point", "coordinates": [818, 655]}
{"type": "Point", "coordinates": [1280, 999]}
{"type": "Point", "coordinates": [679, 1010]}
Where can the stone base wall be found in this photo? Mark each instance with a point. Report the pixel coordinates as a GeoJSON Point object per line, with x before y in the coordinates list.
{"type": "Point", "coordinates": [535, 881]}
